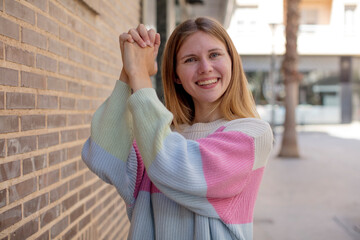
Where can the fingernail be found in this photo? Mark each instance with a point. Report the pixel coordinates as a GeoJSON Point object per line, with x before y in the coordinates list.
{"type": "Point", "coordinates": [143, 44]}
{"type": "Point", "coordinates": [148, 42]}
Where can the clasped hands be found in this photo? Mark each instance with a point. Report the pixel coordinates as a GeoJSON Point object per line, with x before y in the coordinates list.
{"type": "Point", "coordinates": [139, 48]}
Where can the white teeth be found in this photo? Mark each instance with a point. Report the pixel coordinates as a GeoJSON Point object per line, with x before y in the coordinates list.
{"type": "Point", "coordinates": [206, 82]}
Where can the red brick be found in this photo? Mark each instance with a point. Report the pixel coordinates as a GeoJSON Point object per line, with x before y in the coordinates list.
{"type": "Point", "coordinates": [81, 165]}
{"type": "Point", "coordinates": [74, 151]}
{"type": "Point", "coordinates": [95, 104]}
{"type": "Point", "coordinates": [44, 236]}
{"type": "Point", "coordinates": [76, 213]}
{"type": "Point", "coordinates": [9, 170]}
{"type": "Point", "coordinates": [9, 124]}
{"type": "Point", "coordinates": [9, 77]}
{"type": "Point", "coordinates": [76, 56]}
{"type": "Point", "coordinates": [20, 100]}
{"type": "Point", "coordinates": [57, 157]}
{"type": "Point", "coordinates": [69, 235]}
{"type": "Point", "coordinates": [74, 87]}
{"type": "Point", "coordinates": [76, 182]}
{"type": "Point", "coordinates": [55, 121]}
{"type": "Point", "coordinates": [2, 148]}
{"type": "Point", "coordinates": [46, 63]}
{"type": "Point", "coordinates": [85, 192]}
{"type": "Point", "coordinates": [47, 102]}
{"type": "Point", "coordinates": [87, 118]}
{"type": "Point", "coordinates": [67, 35]}
{"type": "Point", "coordinates": [47, 24]}
{"type": "Point", "coordinates": [67, 69]}
{"type": "Point", "coordinates": [48, 140]}
{"type": "Point", "coordinates": [89, 175]}
{"type": "Point", "coordinates": [33, 38]}
{"type": "Point", "coordinates": [58, 192]}
{"type": "Point", "coordinates": [89, 91]}
{"type": "Point", "coordinates": [3, 198]}
{"type": "Point", "coordinates": [21, 145]}
{"type": "Point", "coordinates": [22, 189]}
{"type": "Point", "coordinates": [57, 12]}
{"type": "Point", "coordinates": [36, 204]}
{"type": "Point", "coordinates": [68, 170]}
{"type": "Point", "coordinates": [32, 122]}
{"type": "Point", "coordinates": [41, 4]}
{"type": "Point", "coordinates": [75, 119]}
{"type": "Point", "coordinates": [34, 163]}
{"type": "Point", "coordinates": [32, 80]}
{"type": "Point", "coordinates": [85, 221]}
{"type": "Point", "coordinates": [69, 202]}
{"type": "Point", "coordinates": [10, 217]}
{"type": "Point", "coordinates": [67, 103]}
{"type": "Point", "coordinates": [58, 48]}
{"type": "Point", "coordinates": [49, 215]}
{"type": "Point", "coordinates": [20, 11]}
{"type": "Point", "coordinates": [70, 5]}
{"type": "Point", "coordinates": [103, 93]}
{"type": "Point", "coordinates": [68, 136]}
{"type": "Point", "coordinates": [9, 28]}
{"type": "Point", "coordinates": [20, 56]}
{"type": "Point", "coordinates": [26, 230]}
{"type": "Point", "coordinates": [56, 84]}
{"type": "Point", "coordinates": [1, 50]}
{"type": "Point", "coordinates": [83, 104]}
{"type": "Point", "coordinates": [83, 133]}
{"type": "Point", "coordinates": [90, 203]}
{"type": "Point", "coordinates": [1, 5]}
{"type": "Point", "coordinates": [2, 101]}
{"type": "Point", "coordinates": [59, 227]}
{"type": "Point", "coordinates": [48, 179]}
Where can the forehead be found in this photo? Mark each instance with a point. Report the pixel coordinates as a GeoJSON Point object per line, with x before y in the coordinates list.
{"type": "Point", "coordinates": [200, 41]}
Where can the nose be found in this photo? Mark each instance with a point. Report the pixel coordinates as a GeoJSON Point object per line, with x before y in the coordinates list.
{"type": "Point", "coordinates": [205, 66]}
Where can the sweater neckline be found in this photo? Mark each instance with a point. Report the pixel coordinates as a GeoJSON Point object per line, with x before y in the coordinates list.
{"type": "Point", "coordinates": [203, 127]}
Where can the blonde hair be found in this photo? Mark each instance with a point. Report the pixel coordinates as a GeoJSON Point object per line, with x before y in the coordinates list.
{"type": "Point", "coordinates": [237, 100]}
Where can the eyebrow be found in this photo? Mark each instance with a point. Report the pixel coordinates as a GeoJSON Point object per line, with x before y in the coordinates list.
{"type": "Point", "coordinates": [210, 50]}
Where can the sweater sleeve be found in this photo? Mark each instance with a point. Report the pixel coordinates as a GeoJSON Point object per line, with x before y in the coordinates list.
{"type": "Point", "coordinates": [202, 175]}
{"type": "Point", "coordinates": [110, 151]}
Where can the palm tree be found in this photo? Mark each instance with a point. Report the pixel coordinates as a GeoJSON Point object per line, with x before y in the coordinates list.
{"type": "Point", "coordinates": [289, 146]}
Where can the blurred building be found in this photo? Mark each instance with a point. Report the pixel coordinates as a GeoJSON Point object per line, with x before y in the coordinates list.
{"type": "Point", "coordinates": [329, 57]}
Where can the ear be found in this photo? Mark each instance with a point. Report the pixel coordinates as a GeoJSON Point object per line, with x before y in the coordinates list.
{"type": "Point", "coordinates": [177, 80]}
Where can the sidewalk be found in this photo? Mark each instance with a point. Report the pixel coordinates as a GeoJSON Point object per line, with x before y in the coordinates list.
{"type": "Point", "coordinates": [316, 197]}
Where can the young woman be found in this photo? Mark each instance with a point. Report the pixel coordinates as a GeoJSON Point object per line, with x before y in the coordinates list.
{"type": "Point", "coordinates": [192, 169]}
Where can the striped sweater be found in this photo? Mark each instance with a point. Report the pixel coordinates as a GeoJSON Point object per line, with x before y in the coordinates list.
{"type": "Point", "coordinates": [200, 183]}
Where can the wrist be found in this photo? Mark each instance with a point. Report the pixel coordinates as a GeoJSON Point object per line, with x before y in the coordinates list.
{"type": "Point", "coordinates": [124, 77]}
{"type": "Point", "coordinates": [139, 81]}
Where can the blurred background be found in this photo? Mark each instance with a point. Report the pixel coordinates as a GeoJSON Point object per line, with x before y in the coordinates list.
{"type": "Point", "coordinates": [59, 60]}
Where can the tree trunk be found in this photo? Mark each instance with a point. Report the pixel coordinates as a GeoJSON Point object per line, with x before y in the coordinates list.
{"type": "Point", "coordinates": [289, 147]}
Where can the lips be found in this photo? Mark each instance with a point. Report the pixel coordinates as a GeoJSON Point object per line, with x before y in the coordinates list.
{"type": "Point", "coordinates": [207, 82]}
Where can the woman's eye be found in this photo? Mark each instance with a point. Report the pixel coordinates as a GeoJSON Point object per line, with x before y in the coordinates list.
{"type": "Point", "coordinates": [189, 60]}
{"type": "Point", "coordinates": [214, 55]}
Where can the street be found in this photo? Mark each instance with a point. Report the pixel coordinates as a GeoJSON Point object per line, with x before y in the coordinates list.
{"type": "Point", "coordinates": [316, 197]}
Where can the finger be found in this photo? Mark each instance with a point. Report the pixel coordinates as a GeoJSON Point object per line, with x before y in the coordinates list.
{"type": "Point", "coordinates": [144, 34]}
{"type": "Point", "coordinates": [157, 43]}
{"type": "Point", "coordinates": [152, 34]}
{"type": "Point", "coordinates": [136, 37]}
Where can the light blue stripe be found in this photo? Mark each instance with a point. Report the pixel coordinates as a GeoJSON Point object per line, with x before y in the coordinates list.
{"type": "Point", "coordinates": [112, 170]}
{"type": "Point", "coordinates": [178, 173]}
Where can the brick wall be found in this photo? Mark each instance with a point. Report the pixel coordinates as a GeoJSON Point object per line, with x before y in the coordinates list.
{"type": "Point", "coordinates": [59, 60]}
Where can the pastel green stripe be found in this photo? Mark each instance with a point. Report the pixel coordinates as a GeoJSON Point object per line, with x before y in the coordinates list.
{"type": "Point", "coordinates": [151, 123]}
{"type": "Point", "coordinates": [111, 123]}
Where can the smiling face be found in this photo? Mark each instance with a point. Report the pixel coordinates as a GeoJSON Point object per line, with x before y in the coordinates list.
{"type": "Point", "coordinates": [203, 67]}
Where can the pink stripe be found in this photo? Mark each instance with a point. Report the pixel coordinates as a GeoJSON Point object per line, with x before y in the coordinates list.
{"type": "Point", "coordinates": [140, 170]}
{"type": "Point", "coordinates": [240, 208]}
{"type": "Point", "coordinates": [147, 185]}
{"type": "Point", "coordinates": [228, 159]}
